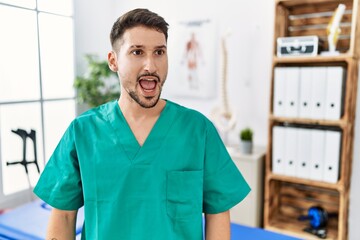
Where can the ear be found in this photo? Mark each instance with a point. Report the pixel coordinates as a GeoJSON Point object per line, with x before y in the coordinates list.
{"type": "Point", "coordinates": [112, 61]}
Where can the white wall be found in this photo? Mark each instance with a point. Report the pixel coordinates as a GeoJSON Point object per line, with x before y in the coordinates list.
{"type": "Point", "coordinates": [92, 25]}
{"type": "Point", "coordinates": [250, 53]}
{"type": "Point", "coordinates": [354, 210]}
{"type": "Point", "coordinates": [93, 21]}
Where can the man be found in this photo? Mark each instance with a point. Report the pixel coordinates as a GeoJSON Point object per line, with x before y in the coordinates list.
{"type": "Point", "coordinates": [143, 167]}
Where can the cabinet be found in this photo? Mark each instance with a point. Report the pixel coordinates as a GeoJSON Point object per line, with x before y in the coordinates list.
{"type": "Point", "coordinates": [249, 211]}
{"type": "Point", "coordinates": [289, 196]}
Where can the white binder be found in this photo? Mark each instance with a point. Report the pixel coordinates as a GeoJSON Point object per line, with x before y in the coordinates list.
{"type": "Point", "coordinates": [291, 141]}
{"type": "Point", "coordinates": [303, 153]}
{"type": "Point", "coordinates": [305, 92]}
{"type": "Point", "coordinates": [334, 90]}
{"type": "Point", "coordinates": [332, 156]}
{"type": "Point", "coordinates": [278, 150]}
{"type": "Point", "coordinates": [318, 92]}
{"type": "Point", "coordinates": [317, 154]}
{"type": "Point", "coordinates": [292, 92]}
{"type": "Point", "coordinates": [279, 92]}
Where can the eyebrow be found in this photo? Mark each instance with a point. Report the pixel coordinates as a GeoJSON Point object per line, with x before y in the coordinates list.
{"type": "Point", "coordinates": [142, 46]}
{"type": "Point", "coordinates": [161, 46]}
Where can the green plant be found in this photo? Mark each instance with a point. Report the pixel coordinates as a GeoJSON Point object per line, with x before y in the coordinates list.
{"type": "Point", "coordinates": [246, 134]}
{"type": "Point", "coordinates": [98, 85]}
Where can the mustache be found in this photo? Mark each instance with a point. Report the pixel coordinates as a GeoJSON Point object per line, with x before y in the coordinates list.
{"type": "Point", "coordinates": [149, 75]}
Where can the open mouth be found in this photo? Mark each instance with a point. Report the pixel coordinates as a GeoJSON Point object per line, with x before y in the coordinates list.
{"type": "Point", "coordinates": [148, 84]}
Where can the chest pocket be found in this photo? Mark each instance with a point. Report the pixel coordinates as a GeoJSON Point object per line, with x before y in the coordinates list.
{"type": "Point", "coordinates": [184, 192]}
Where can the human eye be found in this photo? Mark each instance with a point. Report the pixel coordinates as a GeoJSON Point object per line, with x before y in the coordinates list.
{"type": "Point", "coordinates": [137, 52]}
{"type": "Point", "coordinates": [160, 52]}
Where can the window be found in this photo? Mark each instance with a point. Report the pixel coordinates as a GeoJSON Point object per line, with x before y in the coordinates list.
{"type": "Point", "coordinates": [36, 92]}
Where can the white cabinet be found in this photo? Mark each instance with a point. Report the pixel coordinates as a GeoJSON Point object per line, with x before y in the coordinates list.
{"type": "Point", "coordinates": [249, 211]}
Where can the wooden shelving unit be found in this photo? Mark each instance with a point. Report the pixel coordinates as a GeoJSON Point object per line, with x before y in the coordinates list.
{"type": "Point", "coordinates": [309, 60]}
{"type": "Point", "coordinates": [340, 123]}
{"type": "Point", "coordinates": [303, 181]}
{"type": "Point", "coordinates": [286, 198]}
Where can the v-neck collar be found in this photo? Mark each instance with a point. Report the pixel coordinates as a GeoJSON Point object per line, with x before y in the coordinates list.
{"type": "Point", "coordinates": [126, 138]}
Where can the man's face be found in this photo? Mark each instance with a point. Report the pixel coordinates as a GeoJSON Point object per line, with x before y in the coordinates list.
{"type": "Point", "coordinates": [142, 64]}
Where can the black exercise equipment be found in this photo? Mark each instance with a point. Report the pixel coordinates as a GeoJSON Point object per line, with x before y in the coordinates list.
{"type": "Point", "coordinates": [319, 218]}
{"type": "Point", "coordinates": [320, 233]}
{"type": "Point", "coordinates": [24, 135]}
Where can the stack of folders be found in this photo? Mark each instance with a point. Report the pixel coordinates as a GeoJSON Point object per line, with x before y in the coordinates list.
{"type": "Point", "coordinates": [306, 153]}
{"type": "Point", "coordinates": [309, 92]}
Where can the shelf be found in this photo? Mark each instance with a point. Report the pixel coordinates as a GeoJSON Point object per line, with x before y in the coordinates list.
{"type": "Point", "coordinates": [303, 181]}
{"type": "Point", "coordinates": [288, 226]}
{"type": "Point", "coordinates": [337, 123]}
{"type": "Point", "coordinates": [311, 17]}
{"type": "Point", "coordinates": [288, 197]}
{"type": "Point", "coordinates": [315, 59]}
{"type": "Point", "coordinates": [293, 3]}
{"type": "Point", "coordinates": [293, 199]}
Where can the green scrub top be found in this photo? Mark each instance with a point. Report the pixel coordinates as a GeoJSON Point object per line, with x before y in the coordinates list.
{"type": "Point", "coordinates": [132, 192]}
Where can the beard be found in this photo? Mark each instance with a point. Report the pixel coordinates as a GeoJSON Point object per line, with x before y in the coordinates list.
{"type": "Point", "coordinates": [150, 102]}
{"type": "Point", "coordinates": [146, 101]}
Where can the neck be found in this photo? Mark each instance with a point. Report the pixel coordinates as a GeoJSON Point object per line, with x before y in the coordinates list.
{"type": "Point", "coordinates": [132, 109]}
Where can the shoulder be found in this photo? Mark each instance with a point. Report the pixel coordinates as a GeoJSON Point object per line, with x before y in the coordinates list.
{"type": "Point", "coordinates": [185, 111]}
{"type": "Point", "coordinates": [98, 112]}
{"type": "Point", "coordinates": [95, 115]}
{"type": "Point", "coordinates": [190, 115]}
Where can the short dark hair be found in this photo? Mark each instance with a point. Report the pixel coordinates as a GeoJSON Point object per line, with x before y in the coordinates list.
{"type": "Point", "coordinates": [137, 17]}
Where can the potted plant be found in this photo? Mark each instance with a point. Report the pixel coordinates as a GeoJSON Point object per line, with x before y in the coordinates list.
{"type": "Point", "coordinates": [98, 85]}
{"type": "Point", "coordinates": [246, 140]}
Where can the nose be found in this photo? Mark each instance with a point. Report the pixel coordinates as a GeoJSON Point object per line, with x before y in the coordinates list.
{"type": "Point", "coordinates": [150, 65]}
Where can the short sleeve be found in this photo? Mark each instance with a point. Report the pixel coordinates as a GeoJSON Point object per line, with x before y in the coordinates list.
{"type": "Point", "coordinates": [60, 183]}
{"type": "Point", "coordinates": [224, 185]}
